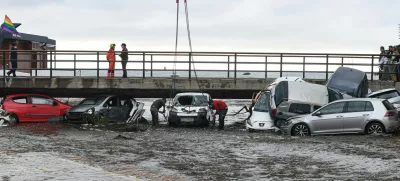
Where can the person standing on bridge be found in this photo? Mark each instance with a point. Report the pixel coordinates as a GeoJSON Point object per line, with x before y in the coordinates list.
{"type": "Point", "coordinates": [111, 61]}
{"type": "Point", "coordinates": [155, 107]}
{"type": "Point", "coordinates": [13, 59]}
{"type": "Point", "coordinates": [221, 109]}
{"type": "Point", "coordinates": [124, 59]}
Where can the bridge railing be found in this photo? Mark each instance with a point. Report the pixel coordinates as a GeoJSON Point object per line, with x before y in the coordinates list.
{"type": "Point", "coordinates": [66, 63]}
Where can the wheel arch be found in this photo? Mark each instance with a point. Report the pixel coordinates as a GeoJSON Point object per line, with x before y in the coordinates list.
{"type": "Point", "coordinates": [375, 121]}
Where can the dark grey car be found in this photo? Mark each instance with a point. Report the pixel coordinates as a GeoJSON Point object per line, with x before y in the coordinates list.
{"type": "Point", "coordinates": [117, 109]}
{"type": "Point", "coordinates": [293, 108]}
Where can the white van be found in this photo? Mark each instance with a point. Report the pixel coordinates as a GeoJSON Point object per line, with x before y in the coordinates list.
{"type": "Point", "coordinates": [265, 108]}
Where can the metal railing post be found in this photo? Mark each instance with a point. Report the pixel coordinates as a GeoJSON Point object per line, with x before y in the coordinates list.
{"type": "Point", "coordinates": [36, 64]}
{"type": "Point", "coordinates": [51, 64]}
{"type": "Point", "coordinates": [229, 66]}
{"type": "Point", "coordinates": [281, 66]}
{"type": "Point", "coordinates": [327, 67]}
{"type": "Point", "coordinates": [235, 70]}
{"type": "Point", "coordinates": [342, 61]}
{"type": "Point", "coordinates": [190, 65]}
{"type": "Point", "coordinates": [304, 67]}
{"type": "Point", "coordinates": [266, 67]}
{"type": "Point", "coordinates": [4, 66]}
{"type": "Point", "coordinates": [372, 68]}
{"type": "Point", "coordinates": [98, 65]}
{"type": "Point", "coordinates": [151, 65]}
{"type": "Point", "coordinates": [144, 65]}
{"type": "Point", "coordinates": [74, 65]}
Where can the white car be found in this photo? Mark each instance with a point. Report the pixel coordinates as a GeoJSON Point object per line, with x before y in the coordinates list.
{"type": "Point", "coordinates": [192, 107]}
{"type": "Point", "coordinates": [391, 94]}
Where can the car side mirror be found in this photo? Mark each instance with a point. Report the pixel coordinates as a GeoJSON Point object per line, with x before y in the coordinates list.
{"type": "Point", "coordinates": [55, 103]}
{"type": "Point", "coordinates": [317, 114]}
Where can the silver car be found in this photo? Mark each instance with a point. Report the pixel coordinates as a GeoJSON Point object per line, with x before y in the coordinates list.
{"type": "Point", "coordinates": [359, 115]}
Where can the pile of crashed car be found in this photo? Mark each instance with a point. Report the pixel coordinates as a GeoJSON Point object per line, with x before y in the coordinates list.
{"type": "Point", "coordinates": [289, 104]}
{"type": "Point", "coordinates": [344, 105]}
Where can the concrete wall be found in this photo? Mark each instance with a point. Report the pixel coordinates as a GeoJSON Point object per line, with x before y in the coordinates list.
{"type": "Point", "coordinates": [147, 87]}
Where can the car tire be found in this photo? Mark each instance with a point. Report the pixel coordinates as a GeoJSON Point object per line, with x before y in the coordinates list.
{"type": "Point", "coordinates": [300, 130]}
{"type": "Point", "coordinates": [250, 130]}
{"type": "Point", "coordinates": [171, 123]}
{"type": "Point", "coordinates": [374, 127]}
{"type": "Point", "coordinates": [143, 124]}
{"type": "Point", "coordinates": [278, 123]}
{"type": "Point", "coordinates": [206, 123]}
{"type": "Point", "coordinates": [14, 120]}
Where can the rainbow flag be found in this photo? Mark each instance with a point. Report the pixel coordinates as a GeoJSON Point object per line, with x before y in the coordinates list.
{"type": "Point", "coordinates": [9, 26]}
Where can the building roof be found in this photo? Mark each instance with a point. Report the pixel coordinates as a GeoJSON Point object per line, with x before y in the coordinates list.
{"type": "Point", "coordinates": [30, 37]}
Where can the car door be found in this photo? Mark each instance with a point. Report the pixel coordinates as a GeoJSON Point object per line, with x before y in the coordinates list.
{"type": "Point", "coordinates": [21, 107]}
{"type": "Point", "coordinates": [43, 108]}
{"type": "Point", "coordinates": [126, 107]}
{"type": "Point", "coordinates": [330, 119]}
{"type": "Point", "coordinates": [356, 115]}
{"type": "Point", "coordinates": [113, 109]}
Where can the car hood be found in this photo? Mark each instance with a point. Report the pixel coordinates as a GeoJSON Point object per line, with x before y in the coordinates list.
{"type": "Point", "coordinates": [81, 108]}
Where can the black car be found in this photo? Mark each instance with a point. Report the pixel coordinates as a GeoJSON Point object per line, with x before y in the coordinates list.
{"type": "Point", "coordinates": [116, 109]}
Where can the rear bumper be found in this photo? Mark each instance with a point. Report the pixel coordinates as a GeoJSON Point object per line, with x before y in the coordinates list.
{"type": "Point", "coordinates": [392, 126]}
{"type": "Point", "coordinates": [260, 126]}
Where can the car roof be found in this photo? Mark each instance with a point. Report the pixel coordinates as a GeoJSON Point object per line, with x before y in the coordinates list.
{"type": "Point", "coordinates": [191, 93]}
{"type": "Point", "coordinates": [381, 91]}
{"type": "Point", "coordinates": [20, 95]}
{"type": "Point", "coordinates": [359, 99]}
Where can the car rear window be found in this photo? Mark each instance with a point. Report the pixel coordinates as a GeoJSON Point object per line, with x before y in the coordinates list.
{"type": "Point", "coordinates": [20, 100]}
{"type": "Point", "coordinates": [387, 105]}
{"type": "Point", "coordinates": [262, 102]}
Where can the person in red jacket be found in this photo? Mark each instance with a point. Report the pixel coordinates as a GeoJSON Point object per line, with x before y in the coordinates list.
{"type": "Point", "coordinates": [221, 109]}
{"type": "Point", "coordinates": [111, 61]}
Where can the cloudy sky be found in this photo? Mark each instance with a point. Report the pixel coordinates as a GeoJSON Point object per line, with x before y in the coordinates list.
{"type": "Point", "coordinates": [348, 26]}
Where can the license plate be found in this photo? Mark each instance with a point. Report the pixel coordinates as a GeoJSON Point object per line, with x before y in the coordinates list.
{"type": "Point", "coordinates": [261, 124]}
{"type": "Point", "coordinates": [187, 119]}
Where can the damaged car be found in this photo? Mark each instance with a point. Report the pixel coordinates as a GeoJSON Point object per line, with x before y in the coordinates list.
{"type": "Point", "coordinates": [191, 107]}
{"type": "Point", "coordinates": [349, 81]}
{"type": "Point", "coordinates": [112, 108]}
{"type": "Point", "coordinates": [391, 94]}
{"type": "Point", "coordinates": [265, 109]}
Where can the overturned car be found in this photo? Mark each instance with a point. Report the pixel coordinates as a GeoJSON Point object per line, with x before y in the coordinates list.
{"type": "Point", "coordinates": [191, 107]}
{"type": "Point", "coordinates": [111, 108]}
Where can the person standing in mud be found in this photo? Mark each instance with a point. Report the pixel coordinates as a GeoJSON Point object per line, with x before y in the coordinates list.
{"type": "Point", "coordinates": [124, 59]}
{"type": "Point", "coordinates": [13, 59]}
{"type": "Point", "coordinates": [221, 109]}
{"type": "Point", "coordinates": [154, 109]}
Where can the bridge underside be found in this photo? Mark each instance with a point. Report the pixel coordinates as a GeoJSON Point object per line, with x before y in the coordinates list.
{"type": "Point", "coordinates": [143, 87]}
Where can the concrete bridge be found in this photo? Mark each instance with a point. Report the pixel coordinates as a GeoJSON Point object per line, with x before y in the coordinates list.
{"type": "Point", "coordinates": [145, 87]}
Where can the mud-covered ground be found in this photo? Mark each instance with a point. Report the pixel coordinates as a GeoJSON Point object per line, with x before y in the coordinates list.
{"type": "Point", "coordinates": [62, 152]}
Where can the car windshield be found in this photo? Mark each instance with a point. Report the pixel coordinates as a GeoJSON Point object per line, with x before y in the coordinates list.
{"type": "Point", "coordinates": [262, 102]}
{"type": "Point", "coordinates": [92, 101]}
{"type": "Point", "coordinates": [191, 100]}
{"type": "Point", "coordinates": [386, 95]}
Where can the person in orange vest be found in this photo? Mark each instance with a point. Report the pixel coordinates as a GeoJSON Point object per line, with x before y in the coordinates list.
{"type": "Point", "coordinates": [111, 61]}
{"type": "Point", "coordinates": [221, 109]}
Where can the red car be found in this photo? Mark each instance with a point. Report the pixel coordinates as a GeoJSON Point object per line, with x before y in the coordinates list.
{"type": "Point", "coordinates": [26, 108]}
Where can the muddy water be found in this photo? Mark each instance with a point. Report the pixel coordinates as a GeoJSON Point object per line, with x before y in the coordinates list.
{"type": "Point", "coordinates": [61, 152]}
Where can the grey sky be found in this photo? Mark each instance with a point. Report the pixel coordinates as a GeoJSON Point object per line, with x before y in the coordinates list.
{"type": "Point", "coordinates": [354, 26]}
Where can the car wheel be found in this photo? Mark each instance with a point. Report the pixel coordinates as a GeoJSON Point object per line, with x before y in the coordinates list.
{"type": "Point", "coordinates": [278, 123]}
{"type": "Point", "coordinates": [143, 124]}
{"type": "Point", "coordinates": [171, 123]}
{"type": "Point", "coordinates": [375, 128]}
{"type": "Point", "coordinates": [301, 130]}
{"type": "Point", "coordinates": [13, 119]}
{"type": "Point", "coordinates": [250, 130]}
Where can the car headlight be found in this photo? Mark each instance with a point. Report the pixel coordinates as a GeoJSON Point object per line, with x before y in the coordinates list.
{"type": "Point", "coordinates": [90, 111]}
